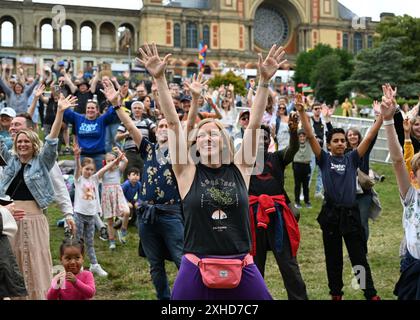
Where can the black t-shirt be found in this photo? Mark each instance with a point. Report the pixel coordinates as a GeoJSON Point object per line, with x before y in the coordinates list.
{"type": "Point", "coordinates": [82, 99]}
{"type": "Point", "coordinates": [339, 177]}
{"type": "Point", "coordinates": [216, 213]}
{"type": "Point", "coordinates": [50, 111]}
{"type": "Point", "coordinates": [18, 190]}
{"type": "Point", "coordinates": [319, 129]}
{"type": "Point", "coordinates": [271, 180]}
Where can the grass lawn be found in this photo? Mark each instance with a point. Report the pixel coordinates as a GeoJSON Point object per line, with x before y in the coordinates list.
{"type": "Point", "coordinates": [129, 276]}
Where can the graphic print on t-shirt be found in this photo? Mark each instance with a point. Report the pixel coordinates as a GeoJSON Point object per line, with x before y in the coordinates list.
{"type": "Point", "coordinates": [220, 196]}
{"type": "Point", "coordinates": [338, 168]}
{"type": "Point", "coordinates": [88, 191]}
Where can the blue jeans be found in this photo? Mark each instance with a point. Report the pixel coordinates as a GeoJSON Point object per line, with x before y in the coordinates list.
{"type": "Point", "coordinates": [318, 186]}
{"type": "Point", "coordinates": [165, 234]}
{"type": "Point", "coordinates": [111, 132]}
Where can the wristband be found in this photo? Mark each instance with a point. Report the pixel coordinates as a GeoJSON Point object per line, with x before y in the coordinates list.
{"type": "Point", "coordinates": [264, 85]}
{"type": "Point", "coordinates": [388, 122]}
{"type": "Point", "coordinates": [408, 141]}
{"type": "Point", "coordinates": [117, 107]}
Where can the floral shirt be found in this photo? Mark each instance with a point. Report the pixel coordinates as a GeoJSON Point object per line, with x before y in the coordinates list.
{"type": "Point", "coordinates": [158, 180]}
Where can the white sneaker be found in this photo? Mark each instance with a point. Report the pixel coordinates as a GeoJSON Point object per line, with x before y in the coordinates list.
{"type": "Point", "coordinates": [97, 269]}
{"type": "Point", "coordinates": [319, 195]}
{"type": "Point", "coordinates": [301, 197]}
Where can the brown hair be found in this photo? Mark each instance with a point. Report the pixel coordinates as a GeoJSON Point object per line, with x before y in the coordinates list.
{"type": "Point", "coordinates": [88, 161]}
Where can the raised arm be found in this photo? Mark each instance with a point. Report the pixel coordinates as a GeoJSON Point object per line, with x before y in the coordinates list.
{"type": "Point", "coordinates": [77, 151]}
{"type": "Point", "coordinates": [63, 105]}
{"type": "Point", "coordinates": [6, 89]}
{"type": "Point", "coordinates": [181, 161]}
{"type": "Point", "coordinates": [195, 87]}
{"type": "Point", "coordinates": [388, 108]}
{"type": "Point", "coordinates": [247, 153]}
{"type": "Point", "coordinates": [114, 98]}
{"type": "Point", "coordinates": [370, 137]}
{"type": "Point", "coordinates": [69, 83]}
{"type": "Point", "coordinates": [30, 89]}
{"type": "Point", "coordinates": [293, 146]}
{"type": "Point", "coordinates": [209, 100]}
{"type": "Point", "coordinates": [38, 93]}
{"type": "Point", "coordinates": [94, 83]}
{"type": "Point", "coordinates": [313, 141]}
{"type": "Point", "coordinates": [109, 165]}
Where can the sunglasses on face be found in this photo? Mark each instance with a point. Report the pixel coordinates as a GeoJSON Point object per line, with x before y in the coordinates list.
{"type": "Point", "coordinates": [245, 118]}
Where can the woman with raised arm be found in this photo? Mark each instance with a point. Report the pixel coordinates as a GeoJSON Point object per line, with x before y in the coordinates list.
{"type": "Point", "coordinates": [340, 216]}
{"type": "Point", "coordinates": [27, 181]}
{"type": "Point", "coordinates": [407, 287]}
{"type": "Point", "coordinates": [213, 185]}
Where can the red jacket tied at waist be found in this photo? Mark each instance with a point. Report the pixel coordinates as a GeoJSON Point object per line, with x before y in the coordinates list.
{"type": "Point", "coordinates": [266, 206]}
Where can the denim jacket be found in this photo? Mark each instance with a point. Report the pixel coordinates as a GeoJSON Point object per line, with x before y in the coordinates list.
{"type": "Point", "coordinates": [36, 174]}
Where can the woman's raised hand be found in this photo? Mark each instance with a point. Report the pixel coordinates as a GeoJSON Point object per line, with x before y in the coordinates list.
{"type": "Point", "coordinates": [65, 103]}
{"type": "Point", "coordinates": [197, 84]}
{"type": "Point", "coordinates": [151, 60]}
{"type": "Point", "coordinates": [268, 67]}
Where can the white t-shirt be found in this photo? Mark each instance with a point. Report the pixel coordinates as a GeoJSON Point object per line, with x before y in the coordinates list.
{"type": "Point", "coordinates": [411, 222]}
{"type": "Point", "coordinates": [86, 196]}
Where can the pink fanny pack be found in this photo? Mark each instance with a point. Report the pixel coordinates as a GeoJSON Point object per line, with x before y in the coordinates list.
{"type": "Point", "coordinates": [220, 273]}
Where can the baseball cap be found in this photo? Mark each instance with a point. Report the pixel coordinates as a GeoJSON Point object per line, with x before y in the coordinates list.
{"type": "Point", "coordinates": [301, 131]}
{"type": "Point", "coordinates": [61, 63]}
{"type": "Point", "coordinates": [186, 98]}
{"type": "Point", "coordinates": [8, 112]}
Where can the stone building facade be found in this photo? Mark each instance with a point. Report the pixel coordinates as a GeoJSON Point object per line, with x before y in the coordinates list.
{"type": "Point", "coordinates": [234, 30]}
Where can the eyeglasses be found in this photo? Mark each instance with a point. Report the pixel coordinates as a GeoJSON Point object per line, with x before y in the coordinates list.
{"type": "Point", "coordinates": [282, 108]}
{"type": "Point", "coordinates": [316, 109]}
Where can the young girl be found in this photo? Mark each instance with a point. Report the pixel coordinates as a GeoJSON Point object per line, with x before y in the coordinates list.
{"type": "Point", "coordinates": [302, 170]}
{"type": "Point", "coordinates": [86, 203]}
{"type": "Point", "coordinates": [73, 283]}
{"type": "Point", "coordinates": [113, 200]}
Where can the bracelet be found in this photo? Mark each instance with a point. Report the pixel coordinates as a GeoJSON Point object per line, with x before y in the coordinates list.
{"type": "Point", "coordinates": [408, 141]}
{"type": "Point", "coordinates": [388, 122]}
{"type": "Point", "coordinates": [117, 107]}
{"type": "Point", "coordinates": [264, 85]}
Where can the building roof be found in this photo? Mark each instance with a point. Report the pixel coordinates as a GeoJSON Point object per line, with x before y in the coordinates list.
{"type": "Point", "coordinates": [345, 13]}
{"type": "Point", "coordinates": [194, 4]}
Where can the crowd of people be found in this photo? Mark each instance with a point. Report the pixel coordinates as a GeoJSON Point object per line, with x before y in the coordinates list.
{"type": "Point", "coordinates": [200, 171]}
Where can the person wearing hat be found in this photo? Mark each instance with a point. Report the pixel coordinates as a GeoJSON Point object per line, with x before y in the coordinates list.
{"type": "Point", "coordinates": [18, 96]}
{"type": "Point", "coordinates": [243, 124]}
{"type": "Point", "coordinates": [302, 170]}
{"type": "Point", "coordinates": [82, 91]}
{"type": "Point", "coordinates": [185, 109]}
{"type": "Point", "coordinates": [6, 116]}
{"type": "Point", "coordinates": [12, 283]}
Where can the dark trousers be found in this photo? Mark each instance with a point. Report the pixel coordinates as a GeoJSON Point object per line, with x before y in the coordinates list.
{"type": "Point", "coordinates": [302, 174]}
{"type": "Point", "coordinates": [356, 247]}
{"type": "Point", "coordinates": [288, 265]}
{"type": "Point", "coordinates": [134, 160]}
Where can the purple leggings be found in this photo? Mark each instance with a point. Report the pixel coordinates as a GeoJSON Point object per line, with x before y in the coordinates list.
{"type": "Point", "coordinates": [189, 286]}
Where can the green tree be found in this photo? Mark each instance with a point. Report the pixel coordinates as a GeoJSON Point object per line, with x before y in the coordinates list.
{"type": "Point", "coordinates": [229, 78]}
{"type": "Point", "coordinates": [312, 68]}
{"type": "Point", "coordinates": [407, 30]}
{"type": "Point", "coordinates": [383, 64]}
{"type": "Point", "coordinates": [325, 77]}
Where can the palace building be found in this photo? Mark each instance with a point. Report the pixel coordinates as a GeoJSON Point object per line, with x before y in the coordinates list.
{"type": "Point", "coordinates": [32, 34]}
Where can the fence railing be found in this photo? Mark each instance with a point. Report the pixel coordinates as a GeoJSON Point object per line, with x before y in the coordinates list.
{"type": "Point", "coordinates": [380, 152]}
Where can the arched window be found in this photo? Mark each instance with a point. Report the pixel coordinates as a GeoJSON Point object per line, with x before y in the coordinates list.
{"type": "Point", "coordinates": [7, 34]}
{"type": "Point", "coordinates": [177, 35]}
{"type": "Point", "coordinates": [192, 35]}
{"type": "Point", "coordinates": [191, 69]}
{"type": "Point", "coordinates": [206, 35]}
{"type": "Point", "coordinates": [107, 37]}
{"type": "Point", "coordinates": [86, 38]}
{"type": "Point", "coordinates": [67, 37]}
{"type": "Point", "coordinates": [47, 36]}
{"type": "Point", "coordinates": [358, 42]}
